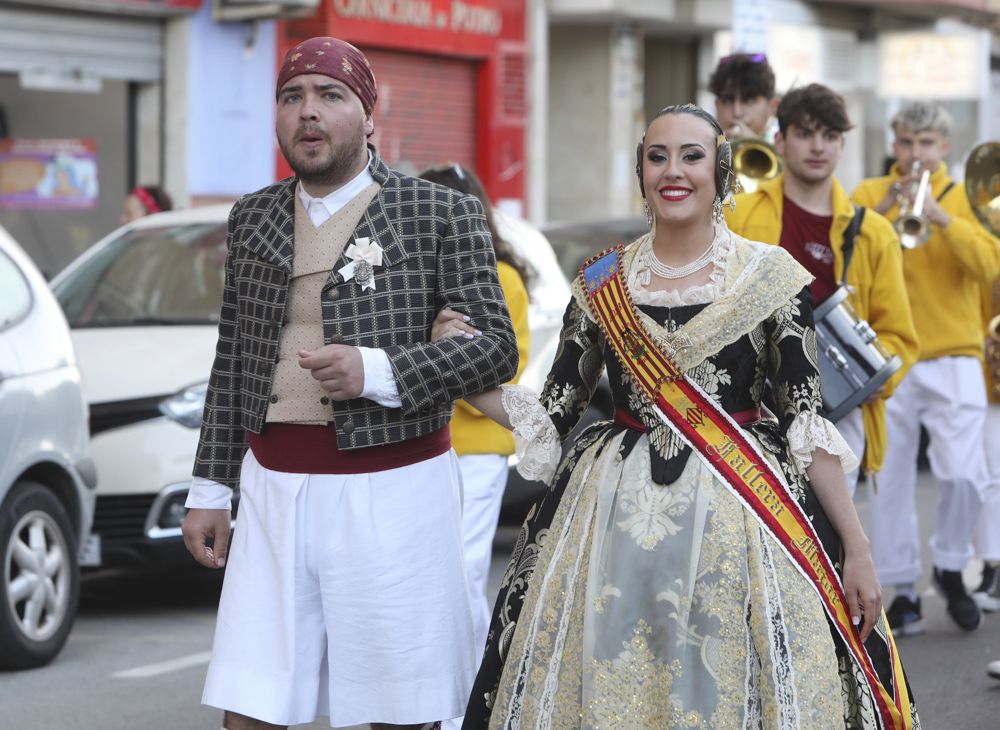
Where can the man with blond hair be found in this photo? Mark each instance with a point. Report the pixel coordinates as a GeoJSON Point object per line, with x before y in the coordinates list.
{"type": "Point", "coordinates": [944, 390]}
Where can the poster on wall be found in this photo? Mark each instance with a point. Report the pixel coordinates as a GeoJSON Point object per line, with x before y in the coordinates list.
{"type": "Point", "coordinates": [48, 174]}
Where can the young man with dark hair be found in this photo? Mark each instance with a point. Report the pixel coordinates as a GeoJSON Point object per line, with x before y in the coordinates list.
{"type": "Point", "coordinates": [945, 391]}
{"type": "Point", "coordinates": [743, 85]}
{"type": "Point", "coordinates": [806, 211]}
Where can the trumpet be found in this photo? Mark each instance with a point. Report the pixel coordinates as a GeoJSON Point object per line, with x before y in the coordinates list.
{"type": "Point", "coordinates": [754, 161]}
{"type": "Point", "coordinates": [912, 225]}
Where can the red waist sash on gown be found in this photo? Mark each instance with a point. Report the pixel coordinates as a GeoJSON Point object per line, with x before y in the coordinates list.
{"type": "Point", "coordinates": [303, 449]}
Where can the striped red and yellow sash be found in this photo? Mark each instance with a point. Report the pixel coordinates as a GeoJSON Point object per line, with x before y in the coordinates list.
{"type": "Point", "coordinates": [736, 461]}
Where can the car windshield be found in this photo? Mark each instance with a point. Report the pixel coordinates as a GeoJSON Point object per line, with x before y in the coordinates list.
{"type": "Point", "coordinates": [171, 275]}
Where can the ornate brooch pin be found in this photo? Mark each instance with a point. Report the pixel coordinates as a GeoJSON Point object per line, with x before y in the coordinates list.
{"type": "Point", "coordinates": [365, 255]}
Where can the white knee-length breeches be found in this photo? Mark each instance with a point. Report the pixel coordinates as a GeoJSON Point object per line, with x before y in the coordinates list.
{"type": "Point", "coordinates": [345, 595]}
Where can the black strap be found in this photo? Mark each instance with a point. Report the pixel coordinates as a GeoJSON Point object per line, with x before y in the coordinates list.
{"type": "Point", "coordinates": [849, 235]}
{"type": "Point", "coordinates": [947, 190]}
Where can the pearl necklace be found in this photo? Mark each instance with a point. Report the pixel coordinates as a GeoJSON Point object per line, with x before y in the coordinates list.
{"type": "Point", "coordinates": [669, 272]}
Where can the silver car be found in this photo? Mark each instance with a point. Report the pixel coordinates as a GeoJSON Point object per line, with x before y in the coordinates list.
{"type": "Point", "coordinates": [47, 478]}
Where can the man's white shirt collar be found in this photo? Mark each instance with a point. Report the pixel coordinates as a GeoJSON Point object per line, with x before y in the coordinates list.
{"type": "Point", "coordinates": [321, 209]}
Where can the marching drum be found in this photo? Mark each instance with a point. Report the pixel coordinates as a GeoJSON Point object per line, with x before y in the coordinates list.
{"type": "Point", "coordinates": [853, 364]}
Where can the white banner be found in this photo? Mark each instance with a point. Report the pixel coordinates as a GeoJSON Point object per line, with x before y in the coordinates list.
{"type": "Point", "coordinates": [751, 19]}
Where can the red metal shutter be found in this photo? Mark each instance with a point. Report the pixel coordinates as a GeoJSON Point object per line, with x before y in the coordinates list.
{"type": "Point", "coordinates": [426, 110]}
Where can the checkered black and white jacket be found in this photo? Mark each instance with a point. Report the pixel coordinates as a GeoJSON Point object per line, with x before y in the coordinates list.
{"type": "Point", "coordinates": [436, 253]}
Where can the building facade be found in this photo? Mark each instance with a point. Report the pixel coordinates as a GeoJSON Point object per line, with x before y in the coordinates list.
{"type": "Point", "coordinates": [545, 99]}
{"type": "Point", "coordinates": [81, 114]}
{"type": "Point", "coordinates": [610, 64]}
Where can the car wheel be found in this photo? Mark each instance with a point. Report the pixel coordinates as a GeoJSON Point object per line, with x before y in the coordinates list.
{"type": "Point", "coordinates": [41, 577]}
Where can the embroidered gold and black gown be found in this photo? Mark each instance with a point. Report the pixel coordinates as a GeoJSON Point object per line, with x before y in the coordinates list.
{"type": "Point", "coordinates": [641, 594]}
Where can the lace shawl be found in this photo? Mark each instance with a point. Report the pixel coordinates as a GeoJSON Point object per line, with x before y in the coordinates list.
{"type": "Point", "coordinates": [750, 281]}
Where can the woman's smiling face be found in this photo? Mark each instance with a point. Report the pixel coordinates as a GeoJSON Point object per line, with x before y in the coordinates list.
{"type": "Point", "coordinates": [678, 168]}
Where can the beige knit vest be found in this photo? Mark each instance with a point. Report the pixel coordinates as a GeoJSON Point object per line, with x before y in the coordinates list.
{"type": "Point", "coordinates": [296, 397]}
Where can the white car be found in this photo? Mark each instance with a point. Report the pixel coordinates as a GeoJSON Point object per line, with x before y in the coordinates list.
{"type": "Point", "coordinates": [143, 304]}
{"type": "Point", "coordinates": [46, 475]}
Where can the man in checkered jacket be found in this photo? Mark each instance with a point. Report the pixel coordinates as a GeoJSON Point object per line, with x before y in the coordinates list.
{"type": "Point", "coordinates": [328, 407]}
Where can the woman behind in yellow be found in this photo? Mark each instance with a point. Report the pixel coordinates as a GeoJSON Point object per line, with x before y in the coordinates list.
{"type": "Point", "coordinates": [482, 445]}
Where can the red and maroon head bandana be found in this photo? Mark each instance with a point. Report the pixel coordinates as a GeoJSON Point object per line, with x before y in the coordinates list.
{"type": "Point", "coordinates": [147, 200]}
{"type": "Point", "coordinates": [334, 58]}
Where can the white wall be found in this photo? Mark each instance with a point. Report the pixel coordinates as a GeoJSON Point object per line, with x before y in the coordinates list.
{"type": "Point", "coordinates": [579, 125]}
{"type": "Point", "coordinates": [230, 116]}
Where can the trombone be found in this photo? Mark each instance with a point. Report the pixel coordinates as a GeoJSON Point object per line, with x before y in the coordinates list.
{"type": "Point", "coordinates": [982, 184]}
{"type": "Point", "coordinates": [912, 225]}
{"type": "Point", "coordinates": [982, 188]}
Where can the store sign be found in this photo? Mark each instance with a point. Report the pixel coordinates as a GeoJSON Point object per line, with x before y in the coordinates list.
{"type": "Point", "coordinates": [52, 174]}
{"type": "Point", "coordinates": [932, 65]}
{"type": "Point", "coordinates": [456, 16]}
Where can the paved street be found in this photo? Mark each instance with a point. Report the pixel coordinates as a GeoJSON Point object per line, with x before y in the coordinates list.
{"type": "Point", "coordinates": [136, 659]}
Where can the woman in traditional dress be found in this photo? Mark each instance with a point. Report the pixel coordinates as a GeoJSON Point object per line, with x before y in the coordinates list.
{"type": "Point", "coordinates": [696, 562]}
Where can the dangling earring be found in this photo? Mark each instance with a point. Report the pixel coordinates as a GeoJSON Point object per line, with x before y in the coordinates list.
{"type": "Point", "coordinates": [730, 200]}
{"type": "Point", "coordinates": [648, 212]}
{"type": "Point", "coordinates": [717, 214]}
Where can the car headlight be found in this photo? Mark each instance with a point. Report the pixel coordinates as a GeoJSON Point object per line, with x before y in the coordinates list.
{"type": "Point", "coordinates": [173, 511]}
{"type": "Point", "coordinates": [187, 406]}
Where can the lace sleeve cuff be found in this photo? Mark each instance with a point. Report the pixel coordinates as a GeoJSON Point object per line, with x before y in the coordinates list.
{"type": "Point", "coordinates": [537, 441]}
{"type": "Point", "coordinates": [810, 431]}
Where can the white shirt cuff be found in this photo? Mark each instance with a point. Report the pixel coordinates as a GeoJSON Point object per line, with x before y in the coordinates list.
{"type": "Point", "coordinates": [380, 383]}
{"type": "Point", "coordinates": [206, 494]}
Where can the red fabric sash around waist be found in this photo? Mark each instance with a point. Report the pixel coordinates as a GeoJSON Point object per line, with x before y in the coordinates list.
{"type": "Point", "coordinates": [301, 449]}
{"type": "Point", "coordinates": [744, 418]}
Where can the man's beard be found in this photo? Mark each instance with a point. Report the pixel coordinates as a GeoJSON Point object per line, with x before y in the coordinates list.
{"type": "Point", "coordinates": [335, 168]}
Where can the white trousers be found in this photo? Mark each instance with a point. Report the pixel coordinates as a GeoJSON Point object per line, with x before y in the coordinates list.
{"type": "Point", "coordinates": [484, 477]}
{"type": "Point", "coordinates": [345, 595]}
{"type": "Point", "coordinates": [948, 396]}
{"type": "Point", "coordinates": [987, 537]}
{"type": "Point", "coordinates": [852, 428]}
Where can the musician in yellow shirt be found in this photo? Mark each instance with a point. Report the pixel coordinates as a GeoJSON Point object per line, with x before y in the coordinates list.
{"type": "Point", "coordinates": [944, 390]}
{"type": "Point", "coordinates": [806, 211]}
{"type": "Point", "coordinates": [743, 85]}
